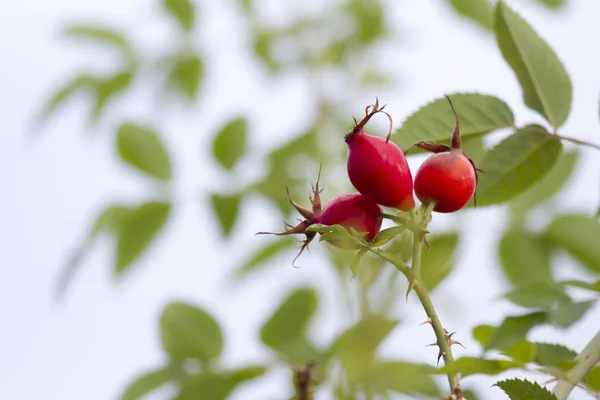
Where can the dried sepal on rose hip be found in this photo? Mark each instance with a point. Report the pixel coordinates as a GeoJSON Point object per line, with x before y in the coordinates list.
{"type": "Point", "coordinates": [377, 167]}
{"type": "Point", "coordinates": [352, 210]}
{"type": "Point", "coordinates": [449, 177]}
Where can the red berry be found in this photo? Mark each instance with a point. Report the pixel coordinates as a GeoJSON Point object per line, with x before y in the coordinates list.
{"type": "Point", "coordinates": [348, 210]}
{"type": "Point", "coordinates": [377, 167]}
{"type": "Point", "coordinates": [352, 210]}
{"type": "Point", "coordinates": [448, 178]}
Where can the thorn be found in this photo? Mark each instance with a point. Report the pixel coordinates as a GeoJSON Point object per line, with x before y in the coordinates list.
{"type": "Point", "coordinates": [440, 354]}
{"type": "Point", "coordinates": [453, 342]}
{"type": "Point", "coordinates": [433, 344]}
{"type": "Point", "coordinates": [427, 321]}
{"type": "Point", "coordinates": [411, 285]}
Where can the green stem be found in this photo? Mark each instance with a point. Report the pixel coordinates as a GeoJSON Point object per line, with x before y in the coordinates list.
{"type": "Point", "coordinates": [585, 362]}
{"type": "Point", "coordinates": [417, 282]}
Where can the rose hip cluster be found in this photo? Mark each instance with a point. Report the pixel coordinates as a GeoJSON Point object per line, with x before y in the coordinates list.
{"type": "Point", "coordinates": [378, 169]}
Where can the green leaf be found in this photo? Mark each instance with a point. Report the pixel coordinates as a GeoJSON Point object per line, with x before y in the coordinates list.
{"type": "Point", "coordinates": [473, 365]}
{"type": "Point", "coordinates": [286, 330]}
{"type": "Point", "coordinates": [142, 148]}
{"type": "Point", "coordinates": [474, 148]}
{"type": "Point", "coordinates": [514, 329]}
{"type": "Point", "coordinates": [107, 88]}
{"type": "Point", "coordinates": [369, 20]}
{"type": "Point", "coordinates": [545, 82]}
{"type": "Point", "coordinates": [259, 258]}
{"type": "Point", "coordinates": [99, 34]}
{"type": "Point", "coordinates": [482, 334]}
{"type": "Point", "coordinates": [67, 90]}
{"type": "Point", "coordinates": [138, 231]}
{"type": "Point", "coordinates": [186, 75]}
{"type": "Point", "coordinates": [537, 295]}
{"type": "Point", "coordinates": [435, 121]}
{"type": "Point", "coordinates": [183, 11]}
{"type": "Point", "coordinates": [569, 312]}
{"type": "Point", "coordinates": [523, 259]}
{"type": "Point", "coordinates": [189, 332]}
{"type": "Point", "coordinates": [515, 164]}
{"type": "Point", "coordinates": [356, 260]}
{"type": "Point", "coordinates": [554, 355]}
{"type": "Point", "coordinates": [592, 379]}
{"type": "Point", "coordinates": [385, 235]}
{"type": "Point", "coordinates": [548, 186]}
{"type": "Point", "coordinates": [577, 234]}
{"type": "Point", "coordinates": [230, 144]}
{"type": "Point", "coordinates": [479, 11]}
{"type": "Point", "coordinates": [517, 389]}
{"type": "Point", "coordinates": [150, 381]}
{"type": "Point", "coordinates": [402, 377]}
{"type": "Point", "coordinates": [522, 352]}
{"type": "Point", "coordinates": [438, 261]}
{"type": "Point", "coordinates": [227, 208]}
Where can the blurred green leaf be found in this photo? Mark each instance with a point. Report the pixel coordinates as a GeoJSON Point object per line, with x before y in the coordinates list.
{"type": "Point", "coordinates": [569, 312]}
{"type": "Point", "coordinates": [186, 75]}
{"type": "Point", "coordinates": [106, 88]}
{"type": "Point", "coordinates": [357, 345]}
{"type": "Point", "coordinates": [286, 329]}
{"type": "Point", "coordinates": [482, 334]}
{"type": "Point", "coordinates": [230, 144]}
{"type": "Point", "coordinates": [515, 164]}
{"type": "Point", "coordinates": [138, 231]}
{"type": "Point", "coordinates": [369, 18]}
{"type": "Point", "coordinates": [142, 148]}
{"type": "Point", "coordinates": [577, 234]}
{"type": "Point", "coordinates": [545, 82]}
{"type": "Point", "coordinates": [594, 287]}
{"type": "Point", "coordinates": [402, 377]}
{"type": "Point", "coordinates": [537, 295]}
{"type": "Point", "coordinates": [263, 41]}
{"type": "Point", "coordinates": [523, 352]}
{"type": "Point", "coordinates": [109, 220]}
{"type": "Point", "coordinates": [68, 89]}
{"type": "Point", "coordinates": [189, 332]}
{"type": "Point", "coordinates": [99, 34]}
{"type": "Point", "coordinates": [517, 389]}
{"type": "Point", "coordinates": [554, 355]}
{"type": "Point", "coordinates": [479, 11]}
{"type": "Point", "coordinates": [522, 258]}
{"type": "Point", "coordinates": [227, 208]}
{"type": "Point", "coordinates": [553, 3]}
{"type": "Point", "coordinates": [259, 258]}
{"type": "Point", "coordinates": [592, 379]}
{"type": "Point", "coordinates": [208, 385]}
{"type": "Point", "coordinates": [478, 114]}
{"type": "Point", "coordinates": [470, 395]}
{"type": "Point", "coordinates": [514, 329]}
{"type": "Point", "coordinates": [438, 261]}
{"type": "Point", "coordinates": [183, 11]}
{"type": "Point", "coordinates": [151, 381]}
{"type": "Point", "coordinates": [549, 185]}
{"type": "Point", "coordinates": [356, 261]}
{"type": "Point", "coordinates": [473, 146]}
{"type": "Point", "coordinates": [472, 365]}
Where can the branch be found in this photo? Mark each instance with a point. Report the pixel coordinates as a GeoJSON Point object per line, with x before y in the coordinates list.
{"type": "Point", "coordinates": [577, 141]}
{"type": "Point", "coordinates": [585, 362]}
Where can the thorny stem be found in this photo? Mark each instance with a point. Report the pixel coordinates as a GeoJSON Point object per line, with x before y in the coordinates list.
{"type": "Point", "coordinates": [417, 282]}
{"type": "Point", "coordinates": [585, 362]}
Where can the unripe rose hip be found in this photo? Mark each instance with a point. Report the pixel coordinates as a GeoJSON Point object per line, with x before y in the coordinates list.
{"type": "Point", "coordinates": [377, 167]}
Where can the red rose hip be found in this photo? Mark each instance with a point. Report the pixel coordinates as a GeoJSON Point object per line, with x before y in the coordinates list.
{"type": "Point", "coordinates": [447, 178]}
{"type": "Point", "coordinates": [351, 210]}
{"type": "Point", "coordinates": [377, 167]}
